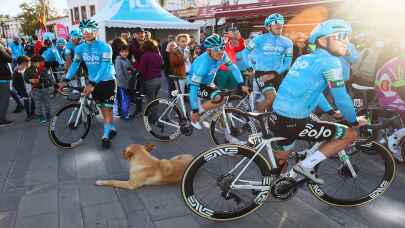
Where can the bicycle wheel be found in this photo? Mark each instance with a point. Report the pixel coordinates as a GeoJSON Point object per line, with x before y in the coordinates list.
{"type": "Point", "coordinates": [206, 183]}
{"type": "Point", "coordinates": [240, 128]}
{"type": "Point", "coordinates": [63, 131]}
{"type": "Point", "coordinates": [162, 120]}
{"type": "Point", "coordinates": [375, 173]}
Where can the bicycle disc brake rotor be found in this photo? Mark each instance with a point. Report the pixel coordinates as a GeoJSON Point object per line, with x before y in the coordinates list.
{"type": "Point", "coordinates": [283, 189]}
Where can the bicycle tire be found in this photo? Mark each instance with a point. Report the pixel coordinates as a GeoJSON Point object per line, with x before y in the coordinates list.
{"type": "Point", "coordinates": [402, 145]}
{"type": "Point", "coordinates": [383, 185]}
{"type": "Point", "coordinates": [199, 208]}
{"type": "Point", "coordinates": [52, 125]}
{"type": "Point", "coordinates": [250, 124]}
{"type": "Point", "coordinates": [146, 116]}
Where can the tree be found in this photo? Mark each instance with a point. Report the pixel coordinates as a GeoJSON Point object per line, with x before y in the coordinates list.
{"type": "Point", "coordinates": [31, 14]}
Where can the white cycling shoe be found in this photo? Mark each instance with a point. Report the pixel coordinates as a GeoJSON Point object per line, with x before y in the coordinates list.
{"type": "Point", "coordinates": [196, 125]}
{"type": "Point", "coordinates": [309, 173]}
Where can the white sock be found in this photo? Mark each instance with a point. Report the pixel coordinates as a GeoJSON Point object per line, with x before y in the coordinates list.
{"type": "Point", "coordinates": [312, 160]}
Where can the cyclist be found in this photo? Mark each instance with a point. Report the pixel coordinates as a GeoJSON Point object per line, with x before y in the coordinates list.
{"type": "Point", "coordinates": [299, 95]}
{"type": "Point", "coordinates": [97, 56]}
{"type": "Point", "coordinates": [273, 55]}
{"type": "Point", "coordinates": [202, 76]}
{"type": "Point", "coordinates": [61, 45]}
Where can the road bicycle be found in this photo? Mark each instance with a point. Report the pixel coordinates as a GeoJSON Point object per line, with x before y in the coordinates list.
{"type": "Point", "coordinates": [228, 182]}
{"type": "Point", "coordinates": [167, 119]}
{"type": "Point", "coordinates": [71, 124]}
{"type": "Point", "coordinates": [386, 125]}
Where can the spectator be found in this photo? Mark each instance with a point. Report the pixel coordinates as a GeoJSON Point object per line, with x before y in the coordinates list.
{"type": "Point", "coordinates": [5, 77]}
{"type": "Point", "coordinates": [300, 45]}
{"type": "Point", "coordinates": [136, 43]}
{"type": "Point", "coordinates": [37, 45]}
{"type": "Point", "coordinates": [17, 50]}
{"type": "Point", "coordinates": [365, 69]}
{"type": "Point", "coordinates": [197, 52]}
{"type": "Point", "coordinates": [150, 68]}
{"type": "Point", "coordinates": [126, 35]}
{"type": "Point", "coordinates": [124, 70]}
{"type": "Point", "coordinates": [166, 62]}
{"type": "Point", "coordinates": [38, 77]}
{"type": "Point", "coordinates": [29, 48]}
{"type": "Point", "coordinates": [20, 86]}
{"type": "Point", "coordinates": [116, 46]}
{"type": "Point", "coordinates": [180, 59]}
{"type": "Point", "coordinates": [148, 35]}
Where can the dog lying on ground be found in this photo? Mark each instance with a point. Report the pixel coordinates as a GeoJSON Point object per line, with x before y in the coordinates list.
{"type": "Point", "coordinates": [146, 169]}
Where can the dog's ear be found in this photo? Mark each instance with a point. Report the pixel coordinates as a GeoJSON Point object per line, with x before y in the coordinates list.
{"type": "Point", "coordinates": [127, 154]}
{"type": "Point", "coordinates": [149, 147]}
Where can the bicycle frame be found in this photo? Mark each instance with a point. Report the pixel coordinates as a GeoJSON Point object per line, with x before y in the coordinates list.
{"type": "Point", "coordinates": [266, 144]}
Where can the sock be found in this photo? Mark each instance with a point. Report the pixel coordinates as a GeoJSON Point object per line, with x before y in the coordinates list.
{"type": "Point", "coordinates": [112, 127]}
{"type": "Point", "coordinates": [312, 160]}
{"type": "Point", "coordinates": [106, 131]}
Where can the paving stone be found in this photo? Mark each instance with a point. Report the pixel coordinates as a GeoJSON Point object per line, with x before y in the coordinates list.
{"type": "Point", "coordinates": [9, 201]}
{"type": "Point", "coordinates": [8, 219]}
{"type": "Point", "coordinates": [101, 215]}
{"type": "Point", "coordinates": [66, 165]}
{"type": "Point", "coordinates": [40, 221]}
{"type": "Point", "coordinates": [69, 207]}
{"type": "Point", "coordinates": [130, 200]}
{"type": "Point", "coordinates": [40, 200]}
{"type": "Point", "coordinates": [91, 194]}
{"type": "Point", "coordinates": [163, 201]}
{"type": "Point", "coordinates": [186, 221]}
{"type": "Point", "coordinates": [140, 219]}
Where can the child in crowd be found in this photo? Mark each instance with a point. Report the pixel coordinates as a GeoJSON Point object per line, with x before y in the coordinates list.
{"type": "Point", "coordinates": [40, 81]}
{"type": "Point", "coordinates": [124, 70]}
{"type": "Point", "coordinates": [20, 86]}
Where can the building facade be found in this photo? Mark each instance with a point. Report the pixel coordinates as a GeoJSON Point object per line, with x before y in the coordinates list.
{"type": "Point", "coordinates": [10, 27]}
{"type": "Point", "coordinates": [83, 9]}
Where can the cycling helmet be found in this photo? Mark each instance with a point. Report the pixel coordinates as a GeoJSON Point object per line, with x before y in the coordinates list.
{"type": "Point", "coordinates": [274, 18]}
{"type": "Point", "coordinates": [48, 36]}
{"type": "Point", "coordinates": [61, 41]}
{"type": "Point", "coordinates": [214, 42]}
{"type": "Point", "coordinates": [75, 33]}
{"type": "Point", "coordinates": [88, 24]}
{"type": "Point", "coordinates": [329, 27]}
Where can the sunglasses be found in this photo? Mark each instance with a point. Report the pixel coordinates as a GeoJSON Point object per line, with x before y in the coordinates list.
{"type": "Point", "coordinates": [218, 49]}
{"type": "Point", "coordinates": [279, 22]}
{"type": "Point", "coordinates": [88, 30]}
{"type": "Point", "coordinates": [341, 36]}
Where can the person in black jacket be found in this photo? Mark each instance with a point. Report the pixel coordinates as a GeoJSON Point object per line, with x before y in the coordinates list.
{"type": "Point", "coordinates": [5, 77]}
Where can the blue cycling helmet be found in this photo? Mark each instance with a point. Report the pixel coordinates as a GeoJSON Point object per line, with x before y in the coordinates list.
{"type": "Point", "coordinates": [88, 24]}
{"type": "Point", "coordinates": [48, 36]}
{"type": "Point", "coordinates": [214, 42]}
{"type": "Point", "coordinates": [329, 27]}
{"type": "Point", "coordinates": [275, 17]}
{"type": "Point", "coordinates": [61, 41]}
{"type": "Point", "coordinates": [75, 33]}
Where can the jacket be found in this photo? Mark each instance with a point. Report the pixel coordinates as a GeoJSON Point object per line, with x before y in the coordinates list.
{"type": "Point", "coordinates": [38, 73]}
{"type": "Point", "coordinates": [5, 59]}
{"type": "Point", "coordinates": [177, 63]}
{"type": "Point", "coordinates": [123, 71]}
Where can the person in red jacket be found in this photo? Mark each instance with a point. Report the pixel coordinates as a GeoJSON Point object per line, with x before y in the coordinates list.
{"type": "Point", "coordinates": [233, 44]}
{"type": "Point", "coordinates": [38, 45]}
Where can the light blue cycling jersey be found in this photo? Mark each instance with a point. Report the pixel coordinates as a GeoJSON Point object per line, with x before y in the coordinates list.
{"type": "Point", "coordinates": [272, 53]}
{"type": "Point", "coordinates": [70, 49]}
{"type": "Point", "coordinates": [52, 55]}
{"type": "Point", "coordinates": [347, 60]}
{"type": "Point", "coordinates": [97, 56]}
{"type": "Point", "coordinates": [203, 71]}
{"type": "Point", "coordinates": [302, 89]}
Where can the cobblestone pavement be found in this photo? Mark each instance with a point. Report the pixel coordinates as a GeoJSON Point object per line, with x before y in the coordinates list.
{"type": "Point", "coordinates": [43, 187]}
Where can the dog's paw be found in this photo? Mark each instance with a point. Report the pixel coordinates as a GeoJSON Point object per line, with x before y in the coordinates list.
{"type": "Point", "coordinates": [101, 183]}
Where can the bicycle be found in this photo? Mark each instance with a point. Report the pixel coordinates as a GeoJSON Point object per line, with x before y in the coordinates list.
{"type": "Point", "coordinates": [171, 116]}
{"type": "Point", "coordinates": [228, 182]}
{"type": "Point", "coordinates": [78, 119]}
{"type": "Point", "coordinates": [386, 126]}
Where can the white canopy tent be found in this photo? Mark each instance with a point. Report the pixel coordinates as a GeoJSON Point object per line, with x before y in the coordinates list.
{"type": "Point", "coordinates": [141, 13]}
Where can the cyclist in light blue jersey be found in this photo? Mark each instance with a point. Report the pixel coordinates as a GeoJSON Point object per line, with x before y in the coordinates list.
{"type": "Point", "coordinates": [273, 56]}
{"type": "Point", "coordinates": [97, 56]}
{"type": "Point", "coordinates": [202, 75]}
{"type": "Point", "coordinates": [300, 93]}
{"type": "Point", "coordinates": [75, 39]}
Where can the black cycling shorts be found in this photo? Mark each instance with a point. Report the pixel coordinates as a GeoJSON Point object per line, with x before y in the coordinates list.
{"type": "Point", "coordinates": [306, 129]}
{"type": "Point", "coordinates": [267, 85]}
{"type": "Point", "coordinates": [104, 94]}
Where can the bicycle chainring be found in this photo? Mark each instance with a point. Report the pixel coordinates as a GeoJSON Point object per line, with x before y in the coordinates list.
{"type": "Point", "coordinates": [284, 188]}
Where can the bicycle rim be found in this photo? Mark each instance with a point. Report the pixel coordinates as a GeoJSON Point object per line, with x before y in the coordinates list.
{"type": "Point", "coordinates": [199, 180]}
{"type": "Point", "coordinates": [162, 121]}
{"type": "Point", "coordinates": [375, 171]}
{"type": "Point", "coordinates": [65, 135]}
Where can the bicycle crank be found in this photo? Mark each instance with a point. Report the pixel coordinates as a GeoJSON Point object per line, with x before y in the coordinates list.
{"type": "Point", "coordinates": [284, 188]}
